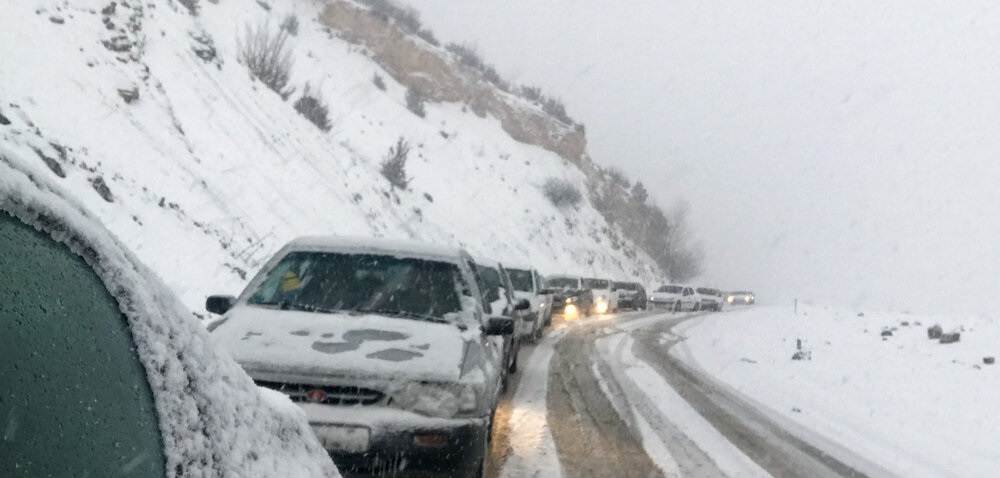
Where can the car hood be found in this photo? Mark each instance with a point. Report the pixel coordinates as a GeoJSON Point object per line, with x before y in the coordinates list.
{"type": "Point", "coordinates": [358, 346]}
{"type": "Point", "coordinates": [664, 295]}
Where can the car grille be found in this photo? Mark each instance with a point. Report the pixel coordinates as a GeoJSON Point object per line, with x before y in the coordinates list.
{"type": "Point", "coordinates": [326, 394]}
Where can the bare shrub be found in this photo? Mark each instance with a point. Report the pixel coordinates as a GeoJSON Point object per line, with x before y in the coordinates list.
{"type": "Point", "coordinates": [491, 75]}
{"type": "Point", "coordinates": [406, 17]}
{"type": "Point", "coordinates": [618, 177]}
{"type": "Point", "coordinates": [415, 101]}
{"type": "Point", "coordinates": [268, 57]}
{"type": "Point", "coordinates": [561, 192]}
{"type": "Point", "coordinates": [394, 165]}
{"type": "Point", "coordinates": [190, 5]}
{"type": "Point", "coordinates": [291, 24]}
{"type": "Point", "coordinates": [428, 36]}
{"type": "Point", "coordinates": [466, 55]}
{"type": "Point", "coordinates": [312, 106]}
{"type": "Point", "coordinates": [532, 93]}
{"type": "Point", "coordinates": [556, 109]}
{"type": "Point", "coordinates": [379, 82]}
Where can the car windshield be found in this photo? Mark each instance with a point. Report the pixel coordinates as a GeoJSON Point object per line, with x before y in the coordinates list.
{"type": "Point", "coordinates": [673, 289]}
{"type": "Point", "coordinates": [626, 286]}
{"type": "Point", "coordinates": [563, 282]}
{"type": "Point", "coordinates": [382, 284]}
{"type": "Point", "coordinates": [520, 279]}
{"type": "Point", "coordinates": [596, 284]}
{"type": "Point", "coordinates": [740, 293]}
{"type": "Point", "coordinates": [706, 291]}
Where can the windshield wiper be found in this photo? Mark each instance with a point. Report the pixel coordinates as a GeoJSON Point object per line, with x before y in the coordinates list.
{"type": "Point", "coordinates": [404, 314]}
{"type": "Point", "coordinates": [286, 305]}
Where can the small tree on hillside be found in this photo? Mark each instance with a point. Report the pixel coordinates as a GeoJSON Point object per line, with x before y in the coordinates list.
{"type": "Point", "coordinates": [639, 193]}
{"type": "Point", "coordinates": [394, 165]}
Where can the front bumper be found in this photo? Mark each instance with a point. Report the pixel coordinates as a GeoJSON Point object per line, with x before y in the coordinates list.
{"type": "Point", "coordinates": [401, 443]}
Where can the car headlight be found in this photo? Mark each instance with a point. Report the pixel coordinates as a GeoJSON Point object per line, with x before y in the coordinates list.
{"type": "Point", "coordinates": [729, 299]}
{"type": "Point", "coordinates": [570, 300]}
{"type": "Point", "coordinates": [443, 400]}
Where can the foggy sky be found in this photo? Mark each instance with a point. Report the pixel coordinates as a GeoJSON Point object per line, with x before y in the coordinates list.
{"type": "Point", "coordinates": [842, 152]}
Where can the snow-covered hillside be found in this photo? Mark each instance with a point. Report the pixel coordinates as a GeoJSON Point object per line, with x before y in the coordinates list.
{"type": "Point", "coordinates": [156, 127]}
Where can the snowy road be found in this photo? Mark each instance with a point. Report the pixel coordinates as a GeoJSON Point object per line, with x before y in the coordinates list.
{"type": "Point", "coordinates": [617, 403]}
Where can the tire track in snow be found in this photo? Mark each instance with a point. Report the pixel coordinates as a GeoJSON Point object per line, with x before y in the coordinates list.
{"type": "Point", "coordinates": [532, 448]}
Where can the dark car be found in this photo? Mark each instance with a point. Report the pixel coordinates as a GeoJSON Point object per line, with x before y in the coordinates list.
{"type": "Point", "coordinates": [105, 373]}
{"type": "Point", "coordinates": [384, 344]}
{"type": "Point", "coordinates": [569, 297]}
{"type": "Point", "coordinates": [741, 297]}
{"type": "Point", "coordinates": [631, 295]}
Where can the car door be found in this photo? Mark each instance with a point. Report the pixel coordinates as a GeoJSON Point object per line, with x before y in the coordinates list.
{"type": "Point", "coordinates": [74, 399]}
{"type": "Point", "coordinates": [688, 298]}
{"type": "Point", "coordinates": [493, 344]}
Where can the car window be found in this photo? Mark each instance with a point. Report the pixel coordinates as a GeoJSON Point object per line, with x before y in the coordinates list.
{"type": "Point", "coordinates": [326, 282]}
{"type": "Point", "coordinates": [74, 398]}
{"type": "Point", "coordinates": [521, 279]}
{"type": "Point", "coordinates": [491, 283]}
{"type": "Point", "coordinates": [481, 286]}
{"type": "Point", "coordinates": [564, 283]}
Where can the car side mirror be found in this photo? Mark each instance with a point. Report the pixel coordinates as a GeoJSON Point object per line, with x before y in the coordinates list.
{"type": "Point", "coordinates": [499, 326]}
{"type": "Point", "coordinates": [219, 304]}
{"type": "Point", "coordinates": [522, 304]}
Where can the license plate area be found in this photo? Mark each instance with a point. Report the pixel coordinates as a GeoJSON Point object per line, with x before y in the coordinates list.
{"type": "Point", "coordinates": [343, 438]}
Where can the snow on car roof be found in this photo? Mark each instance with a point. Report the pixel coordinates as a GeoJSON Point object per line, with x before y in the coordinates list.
{"type": "Point", "coordinates": [394, 247]}
{"type": "Point", "coordinates": [213, 420]}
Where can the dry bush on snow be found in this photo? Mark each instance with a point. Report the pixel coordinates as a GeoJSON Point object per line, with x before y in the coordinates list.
{"type": "Point", "coordinates": [561, 192]}
{"type": "Point", "coordinates": [312, 106]}
{"type": "Point", "coordinates": [267, 55]}
{"type": "Point", "coordinates": [394, 165]}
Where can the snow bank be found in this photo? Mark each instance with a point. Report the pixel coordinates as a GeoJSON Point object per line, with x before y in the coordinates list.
{"type": "Point", "coordinates": [213, 420]}
{"type": "Point", "coordinates": [915, 406]}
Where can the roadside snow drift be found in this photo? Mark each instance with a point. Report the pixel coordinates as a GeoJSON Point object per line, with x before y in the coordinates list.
{"type": "Point", "coordinates": [872, 382]}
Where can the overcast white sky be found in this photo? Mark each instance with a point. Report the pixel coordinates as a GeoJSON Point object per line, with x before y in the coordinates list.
{"type": "Point", "coordinates": [842, 151]}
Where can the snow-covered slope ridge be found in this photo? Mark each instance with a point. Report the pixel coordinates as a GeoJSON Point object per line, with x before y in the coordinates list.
{"type": "Point", "coordinates": [152, 122]}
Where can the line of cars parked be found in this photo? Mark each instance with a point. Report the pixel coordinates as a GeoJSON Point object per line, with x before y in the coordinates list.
{"type": "Point", "coordinates": [678, 297]}
{"type": "Point", "coordinates": [396, 352]}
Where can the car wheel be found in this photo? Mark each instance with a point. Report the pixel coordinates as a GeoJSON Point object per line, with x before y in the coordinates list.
{"type": "Point", "coordinates": [696, 308]}
{"type": "Point", "coordinates": [677, 306]}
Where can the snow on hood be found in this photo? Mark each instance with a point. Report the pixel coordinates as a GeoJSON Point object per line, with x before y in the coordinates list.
{"type": "Point", "coordinates": [213, 421]}
{"type": "Point", "coordinates": [339, 344]}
